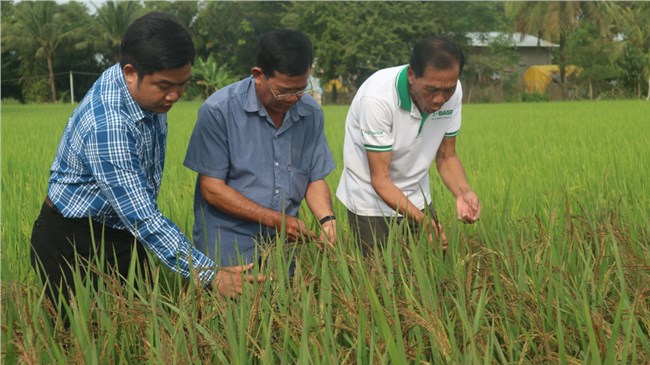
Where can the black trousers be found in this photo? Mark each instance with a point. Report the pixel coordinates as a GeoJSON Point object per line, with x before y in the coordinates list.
{"type": "Point", "coordinates": [373, 231]}
{"type": "Point", "coordinates": [60, 244]}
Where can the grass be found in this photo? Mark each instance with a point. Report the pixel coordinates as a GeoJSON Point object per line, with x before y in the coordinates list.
{"type": "Point", "coordinates": [556, 271]}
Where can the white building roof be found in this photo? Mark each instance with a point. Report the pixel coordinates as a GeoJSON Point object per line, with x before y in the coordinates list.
{"type": "Point", "coordinates": [483, 39]}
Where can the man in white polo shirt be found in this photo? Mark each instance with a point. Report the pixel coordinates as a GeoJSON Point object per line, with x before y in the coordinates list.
{"type": "Point", "coordinates": [401, 119]}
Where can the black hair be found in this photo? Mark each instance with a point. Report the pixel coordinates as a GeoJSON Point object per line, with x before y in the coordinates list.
{"type": "Point", "coordinates": [438, 52]}
{"type": "Point", "coordinates": [156, 42]}
{"type": "Point", "coordinates": [286, 51]}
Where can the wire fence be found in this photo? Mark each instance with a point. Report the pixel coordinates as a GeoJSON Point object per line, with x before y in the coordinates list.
{"type": "Point", "coordinates": [47, 75]}
{"type": "Point", "coordinates": [70, 74]}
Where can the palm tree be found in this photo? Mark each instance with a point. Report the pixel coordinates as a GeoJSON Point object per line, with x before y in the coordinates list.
{"type": "Point", "coordinates": [111, 22]}
{"type": "Point", "coordinates": [635, 25]}
{"type": "Point", "coordinates": [40, 27]}
{"type": "Point", "coordinates": [553, 20]}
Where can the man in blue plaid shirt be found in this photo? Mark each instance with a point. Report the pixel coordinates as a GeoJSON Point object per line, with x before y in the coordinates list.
{"type": "Point", "coordinates": [107, 172]}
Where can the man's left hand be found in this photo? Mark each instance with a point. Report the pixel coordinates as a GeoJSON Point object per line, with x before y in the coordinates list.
{"type": "Point", "coordinates": [468, 207]}
{"type": "Point", "coordinates": [328, 234]}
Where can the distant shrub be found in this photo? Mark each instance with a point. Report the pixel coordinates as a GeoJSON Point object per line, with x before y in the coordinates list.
{"type": "Point", "coordinates": [10, 101]}
{"type": "Point", "coordinates": [533, 97]}
{"type": "Point", "coordinates": [36, 91]}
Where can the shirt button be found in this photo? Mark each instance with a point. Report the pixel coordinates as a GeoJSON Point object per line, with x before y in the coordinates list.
{"type": "Point", "coordinates": [277, 191]}
{"type": "Point", "coordinates": [277, 163]}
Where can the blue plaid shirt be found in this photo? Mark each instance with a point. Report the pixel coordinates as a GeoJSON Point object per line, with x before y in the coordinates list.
{"type": "Point", "coordinates": [109, 165]}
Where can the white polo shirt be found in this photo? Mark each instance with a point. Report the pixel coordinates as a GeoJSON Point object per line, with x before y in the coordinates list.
{"type": "Point", "coordinates": [383, 117]}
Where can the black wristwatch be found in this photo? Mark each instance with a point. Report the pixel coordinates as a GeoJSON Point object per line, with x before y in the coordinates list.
{"type": "Point", "coordinates": [326, 219]}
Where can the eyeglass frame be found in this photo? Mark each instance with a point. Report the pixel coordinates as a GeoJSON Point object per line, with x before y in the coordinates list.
{"type": "Point", "coordinates": [298, 94]}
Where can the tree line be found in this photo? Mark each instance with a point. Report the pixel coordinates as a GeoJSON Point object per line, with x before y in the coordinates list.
{"type": "Point", "coordinates": [43, 41]}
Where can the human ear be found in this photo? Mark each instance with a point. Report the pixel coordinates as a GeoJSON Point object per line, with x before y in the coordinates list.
{"type": "Point", "coordinates": [130, 74]}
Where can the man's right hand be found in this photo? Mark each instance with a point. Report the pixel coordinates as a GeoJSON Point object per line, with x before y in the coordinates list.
{"type": "Point", "coordinates": [296, 230]}
{"type": "Point", "coordinates": [435, 233]}
{"type": "Point", "coordinates": [229, 280]}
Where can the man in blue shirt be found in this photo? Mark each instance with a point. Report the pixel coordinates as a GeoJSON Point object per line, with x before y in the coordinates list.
{"type": "Point", "coordinates": [259, 148]}
{"type": "Point", "coordinates": [108, 167]}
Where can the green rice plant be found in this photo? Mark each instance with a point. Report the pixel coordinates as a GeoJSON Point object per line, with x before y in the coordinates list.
{"type": "Point", "coordinates": [556, 271]}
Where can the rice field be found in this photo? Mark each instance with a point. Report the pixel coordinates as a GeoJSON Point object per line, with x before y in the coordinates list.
{"type": "Point", "coordinates": [556, 271]}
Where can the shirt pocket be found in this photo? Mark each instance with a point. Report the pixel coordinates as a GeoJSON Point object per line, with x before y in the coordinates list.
{"type": "Point", "coordinates": [299, 181]}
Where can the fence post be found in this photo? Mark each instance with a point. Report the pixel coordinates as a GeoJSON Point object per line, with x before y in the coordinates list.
{"type": "Point", "coordinates": [71, 89]}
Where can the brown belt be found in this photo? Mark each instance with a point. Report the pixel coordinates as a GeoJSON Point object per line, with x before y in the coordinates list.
{"type": "Point", "coordinates": [49, 203]}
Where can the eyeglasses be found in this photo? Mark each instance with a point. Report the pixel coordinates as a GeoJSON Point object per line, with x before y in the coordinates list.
{"type": "Point", "coordinates": [297, 94]}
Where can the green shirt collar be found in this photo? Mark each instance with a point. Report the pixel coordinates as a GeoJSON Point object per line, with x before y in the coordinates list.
{"type": "Point", "coordinates": [402, 86]}
{"type": "Point", "coordinates": [403, 96]}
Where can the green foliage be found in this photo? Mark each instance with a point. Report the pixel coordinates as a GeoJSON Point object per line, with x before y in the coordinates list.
{"type": "Point", "coordinates": [75, 55]}
{"type": "Point", "coordinates": [557, 267]}
{"type": "Point", "coordinates": [229, 31]}
{"type": "Point", "coordinates": [10, 76]}
{"type": "Point", "coordinates": [112, 19]}
{"type": "Point", "coordinates": [596, 55]}
{"type": "Point", "coordinates": [36, 30]}
{"type": "Point", "coordinates": [351, 39]}
{"type": "Point", "coordinates": [632, 63]}
{"type": "Point", "coordinates": [355, 39]}
{"type": "Point", "coordinates": [210, 76]}
{"type": "Point", "coordinates": [633, 18]}
{"type": "Point", "coordinates": [184, 11]}
{"type": "Point", "coordinates": [555, 20]}
{"type": "Point", "coordinates": [35, 91]}
{"type": "Point", "coordinates": [491, 68]}
{"type": "Point", "coordinates": [533, 97]}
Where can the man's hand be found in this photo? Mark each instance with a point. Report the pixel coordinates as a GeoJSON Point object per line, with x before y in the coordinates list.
{"type": "Point", "coordinates": [328, 234]}
{"type": "Point", "coordinates": [296, 229]}
{"type": "Point", "coordinates": [468, 207]}
{"type": "Point", "coordinates": [435, 232]}
{"type": "Point", "coordinates": [229, 280]}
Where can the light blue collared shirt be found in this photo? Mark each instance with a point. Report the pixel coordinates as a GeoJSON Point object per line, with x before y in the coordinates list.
{"type": "Point", "coordinates": [235, 140]}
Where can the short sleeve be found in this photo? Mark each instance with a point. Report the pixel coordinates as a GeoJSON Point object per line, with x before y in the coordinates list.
{"type": "Point", "coordinates": [207, 151]}
{"type": "Point", "coordinates": [376, 125]}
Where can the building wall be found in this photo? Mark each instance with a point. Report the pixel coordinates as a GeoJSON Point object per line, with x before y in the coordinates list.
{"type": "Point", "coordinates": [532, 56]}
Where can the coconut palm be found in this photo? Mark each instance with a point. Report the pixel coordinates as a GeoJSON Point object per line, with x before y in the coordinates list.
{"type": "Point", "coordinates": [111, 22]}
{"type": "Point", "coordinates": [634, 22]}
{"type": "Point", "coordinates": [39, 27]}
